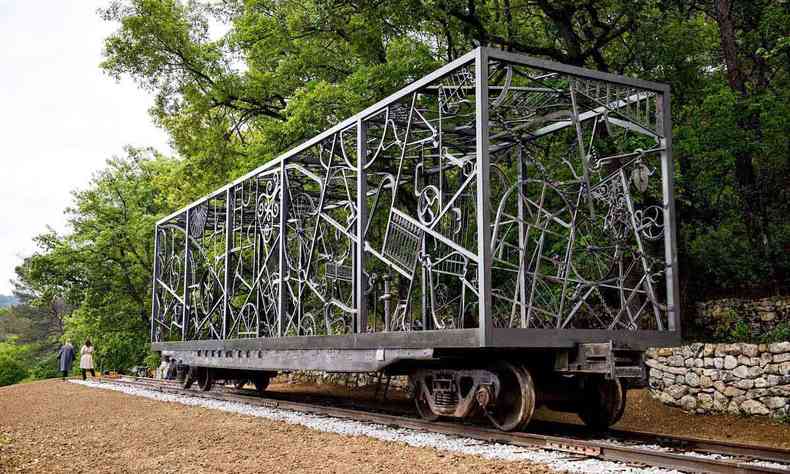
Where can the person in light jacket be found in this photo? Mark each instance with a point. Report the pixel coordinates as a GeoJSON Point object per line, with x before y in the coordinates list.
{"type": "Point", "coordinates": [65, 358]}
{"type": "Point", "coordinates": [86, 359]}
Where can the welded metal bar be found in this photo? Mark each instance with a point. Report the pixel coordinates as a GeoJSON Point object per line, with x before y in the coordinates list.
{"type": "Point", "coordinates": [581, 150]}
{"type": "Point", "coordinates": [229, 233]}
{"type": "Point", "coordinates": [522, 240]}
{"type": "Point", "coordinates": [575, 70]}
{"type": "Point", "coordinates": [387, 296]}
{"type": "Point", "coordinates": [360, 280]}
{"type": "Point", "coordinates": [185, 308]}
{"type": "Point", "coordinates": [670, 229]}
{"type": "Point", "coordinates": [439, 338]}
{"type": "Point", "coordinates": [642, 256]}
{"type": "Point", "coordinates": [483, 196]}
{"type": "Point", "coordinates": [282, 244]}
{"type": "Point", "coordinates": [157, 270]}
{"type": "Point", "coordinates": [423, 290]}
{"type": "Point", "coordinates": [583, 117]}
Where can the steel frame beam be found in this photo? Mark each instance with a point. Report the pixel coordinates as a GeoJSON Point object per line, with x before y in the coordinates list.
{"type": "Point", "coordinates": [483, 213]}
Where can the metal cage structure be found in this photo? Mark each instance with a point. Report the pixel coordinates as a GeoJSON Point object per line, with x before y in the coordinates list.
{"type": "Point", "coordinates": [501, 201]}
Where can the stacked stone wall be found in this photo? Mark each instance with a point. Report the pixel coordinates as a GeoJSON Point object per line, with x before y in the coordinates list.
{"type": "Point", "coordinates": [751, 379]}
{"type": "Point", "coordinates": [760, 316]}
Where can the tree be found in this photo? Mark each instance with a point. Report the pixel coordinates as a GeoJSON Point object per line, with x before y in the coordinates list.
{"type": "Point", "coordinates": [284, 71]}
{"type": "Point", "coordinates": [102, 267]}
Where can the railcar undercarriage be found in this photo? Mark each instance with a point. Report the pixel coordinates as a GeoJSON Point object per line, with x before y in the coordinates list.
{"type": "Point", "coordinates": [504, 388]}
{"type": "Point", "coordinates": [501, 231]}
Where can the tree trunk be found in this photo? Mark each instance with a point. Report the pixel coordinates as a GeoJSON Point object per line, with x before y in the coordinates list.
{"type": "Point", "coordinates": [747, 121]}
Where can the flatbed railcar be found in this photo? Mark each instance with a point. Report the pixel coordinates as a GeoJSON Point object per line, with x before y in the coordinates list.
{"type": "Point", "coordinates": [500, 230]}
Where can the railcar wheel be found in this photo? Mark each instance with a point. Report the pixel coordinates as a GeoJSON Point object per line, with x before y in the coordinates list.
{"type": "Point", "coordinates": [261, 382]}
{"type": "Point", "coordinates": [421, 402]}
{"type": "Point", "coordinates": [189, 378]}
{"type": "Point", "coordinates": [604, 402]}
{"type": "Point", "coordinates": [239, 384]}
{"type": "Point", "coordinates": [204, 379]}
{"type": "Point", "coordinates": [515, 403]}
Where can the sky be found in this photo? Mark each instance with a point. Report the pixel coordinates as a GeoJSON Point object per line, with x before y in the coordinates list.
{"type": "Point", "coordinates": [61, 117]}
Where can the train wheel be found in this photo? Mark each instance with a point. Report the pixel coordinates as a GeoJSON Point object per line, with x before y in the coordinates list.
{"type": "Point", "coordinates": [205, 379]}
{"type": "Point", "coordinates": [515, 404]}
{"type": "Point", "coordinates": [189, 378]}
{"type": "Point", "coordinates": [239, 384]}
{"type": "Point", "coordinates": [604, 402]}
{"type": "Point", "coordinates": [261, 382]}
{"type": "Point", "coordinates": [421, 402]}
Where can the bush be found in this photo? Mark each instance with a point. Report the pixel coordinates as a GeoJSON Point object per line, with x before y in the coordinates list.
{"type": "Point", "coordinates": [11, 371]}
{"type": "Point", "coordinates": [780, 333]}
{"type": "Point", "coordinates": [152, 360]}
{"type": "Point", "coordinates": [46, 368]}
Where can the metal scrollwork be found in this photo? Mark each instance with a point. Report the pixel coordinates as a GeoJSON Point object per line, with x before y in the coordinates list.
{"type": "Point", "coordinates": [378, 224]}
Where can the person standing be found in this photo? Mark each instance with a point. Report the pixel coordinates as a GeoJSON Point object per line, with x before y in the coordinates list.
{"type": "Point", "coordinates": [161, 372]}
{"type": "Point", "coordinates": [65, 358]}
{"type": "Point", "coordinates": [86, 359]}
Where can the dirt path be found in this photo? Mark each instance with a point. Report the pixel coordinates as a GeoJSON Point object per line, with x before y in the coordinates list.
{"type": "Point", "coordinates": [54, 426]}
{"type": "Point", "coordinates": [643, 413]}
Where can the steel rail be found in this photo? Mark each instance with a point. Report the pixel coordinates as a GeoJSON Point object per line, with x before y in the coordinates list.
{"type": "Point", "coordinates": [591, 448]}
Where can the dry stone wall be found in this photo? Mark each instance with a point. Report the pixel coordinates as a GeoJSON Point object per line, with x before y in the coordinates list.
{"type": "Point", "coordinates": [760, 316]}
{"type": "Point", "coordinates": [751, 379]}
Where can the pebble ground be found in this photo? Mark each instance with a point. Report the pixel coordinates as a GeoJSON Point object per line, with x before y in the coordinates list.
{"type": "Point", "coordinates": [55, 426]}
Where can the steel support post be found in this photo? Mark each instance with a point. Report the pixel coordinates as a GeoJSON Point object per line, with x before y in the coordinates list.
{"type": "Point", "coordinates": [483, 197]}
{"type": "Point", "coordinates": [157, 270]}
{"type": "Point", "coordinates": [360, 282]}
{"type": "Point", "coordinates": [281, 296]}
{"type": "Point", "coordinates": [522, 239]}
{"type": "Point", "coordinates": [670, 240]}
{"type": "Point", "coordinates": [229, 210]}
{"type": "Point", "coordinates": [185, 309]}
{"type": "Point", "coordinates": [424, 291]}
{"type": "Point", "coordinates": [386, 279]}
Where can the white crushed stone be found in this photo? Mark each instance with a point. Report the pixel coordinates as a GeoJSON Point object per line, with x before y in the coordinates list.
{"type": "Point", "coordinates": [769, 464]}
{"type": "Point", "coordinates": [646, 447]}
{"type": "Point", "coordinates": [553, 459]}
{"type": "Point", "coordinates": [718, 457]}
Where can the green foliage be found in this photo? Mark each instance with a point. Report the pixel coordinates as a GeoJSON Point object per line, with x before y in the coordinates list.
{"type": "Point", "coordinates": [12, 363]}
{"type": "Point", "coordinates": [45, 367]}
{"type": "Point", "coordinates": [724, 323]}
{"type": "Point", "coordinates": [11, 371]}
{"type": "Point", "coordinates": [729, 327]}
{"type": "Point", "coordinates": [742, 332]}
{"type": "Point", "coordinates": [780, 333]}
{"type": "Point", "coordinates": [152, 360]}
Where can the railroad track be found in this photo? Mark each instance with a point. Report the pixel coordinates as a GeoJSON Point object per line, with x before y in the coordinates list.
{"type": "Point", "coordinates": [629, 447]}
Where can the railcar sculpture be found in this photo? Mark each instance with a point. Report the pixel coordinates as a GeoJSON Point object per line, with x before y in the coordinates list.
{"type": "Point", "coordinates": [501, 230]}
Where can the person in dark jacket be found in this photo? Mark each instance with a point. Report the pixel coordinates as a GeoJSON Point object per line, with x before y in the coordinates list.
{"type": "Point", "coordinates": [65, 358]}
